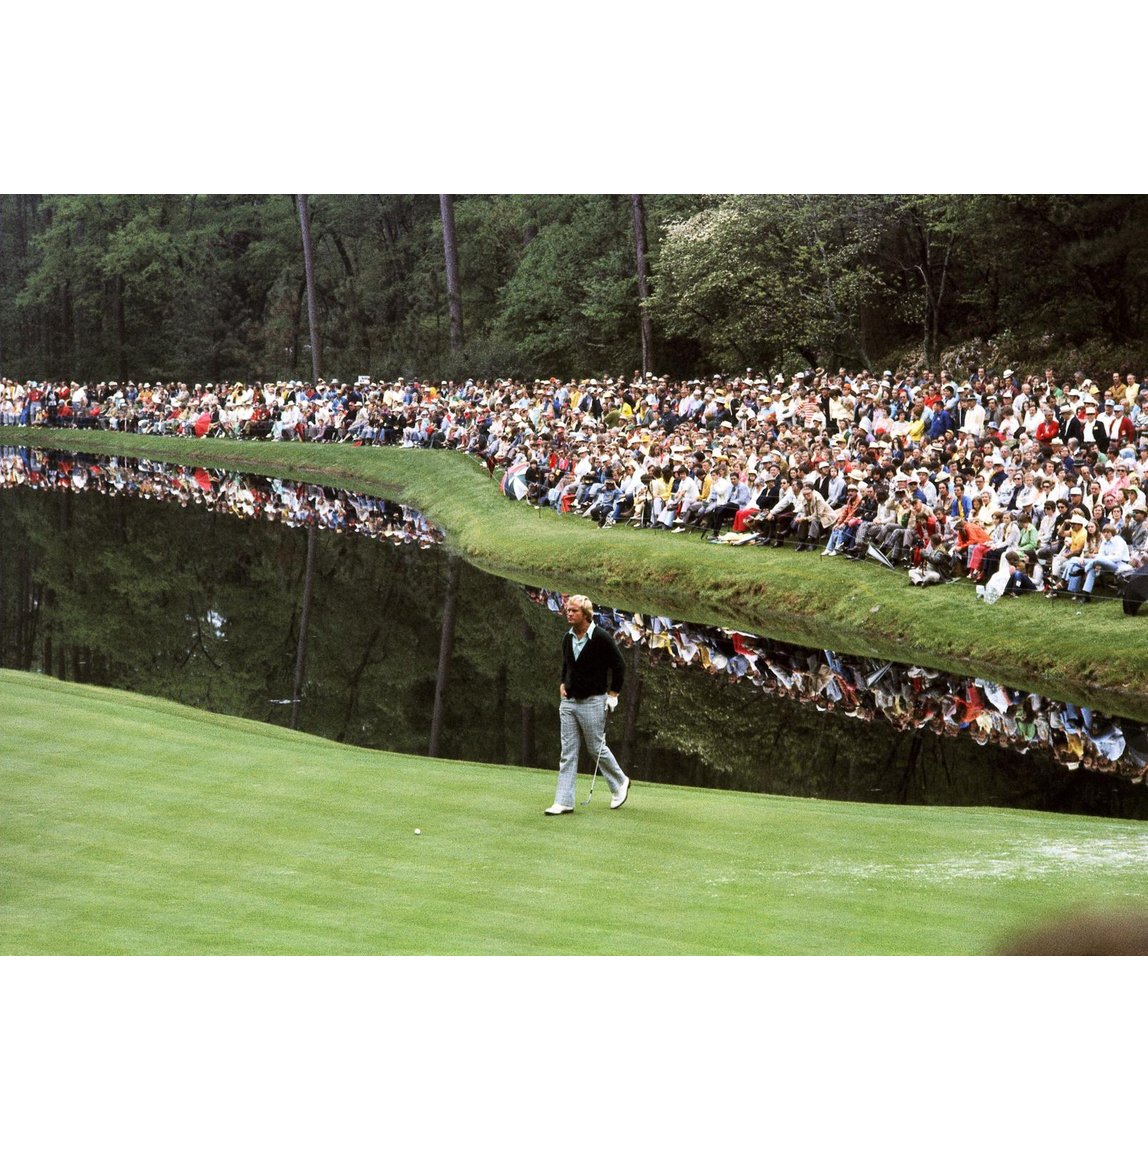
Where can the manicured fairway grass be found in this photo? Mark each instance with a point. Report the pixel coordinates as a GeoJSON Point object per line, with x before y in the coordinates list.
{"type": "Point", "coordinates": [135, 826]}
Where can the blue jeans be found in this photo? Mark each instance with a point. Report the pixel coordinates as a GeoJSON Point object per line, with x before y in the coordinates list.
{"type": "Point", "coordinates": [1093, 567]}
{"type": "Point", "coordinates": [1073, 573]}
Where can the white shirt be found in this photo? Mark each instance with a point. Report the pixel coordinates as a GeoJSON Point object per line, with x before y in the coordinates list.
{"type": "Point", "coordinates": [1113, 547]}
{"type": "Point", "coordinates": [975, 421]}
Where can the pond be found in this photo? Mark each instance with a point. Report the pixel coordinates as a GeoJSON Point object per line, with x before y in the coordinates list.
{"type": "Point", "coordinates": [192, 585]}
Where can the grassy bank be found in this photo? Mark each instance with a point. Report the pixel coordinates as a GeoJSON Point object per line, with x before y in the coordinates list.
{"type": "Point", "coordinates": [1093, 655]}
{"type": "Point", "coordinates": [237, 837]}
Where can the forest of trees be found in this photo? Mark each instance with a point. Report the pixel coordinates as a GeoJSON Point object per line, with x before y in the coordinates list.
{"type": "Point", "coordinates": [205, 288]}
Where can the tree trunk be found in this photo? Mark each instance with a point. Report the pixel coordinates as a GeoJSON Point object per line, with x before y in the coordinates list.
{"type": "Point", "coordinates": [121, 329]}
{"type": "Point", "coordinates": [304, 625]}
{"type": "Point", "coordinates": [499, 749]}
{"type": "Point", "coordinates": [633, 699]}
{"type": "Point", "coordinates": [446, 645]}
{"type": "Point", "coordinates": [351, 693]}
{"type": "Point", "coordinates": [309, 268]}
{"type": "Point", "coordinates": [528, 752]}
{"type": "Point", "coordinates": [67, 354]}
{"type": "Point", "coordinates": [638, 213]}
{"type": "Point", "coordinates": [450, 255]}
{"type": "Point", "coordinates": [297, 327]}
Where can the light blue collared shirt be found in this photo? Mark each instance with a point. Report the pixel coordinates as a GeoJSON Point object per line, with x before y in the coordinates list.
{"type": "Point", "coordinates": [578, 644]}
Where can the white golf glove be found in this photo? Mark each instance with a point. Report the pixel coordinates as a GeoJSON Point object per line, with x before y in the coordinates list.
{"type": "Point", "coordinates": [611, 702]}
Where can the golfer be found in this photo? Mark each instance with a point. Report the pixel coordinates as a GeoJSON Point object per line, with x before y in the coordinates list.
{"type": "Point", "coordinates": [592, 674]}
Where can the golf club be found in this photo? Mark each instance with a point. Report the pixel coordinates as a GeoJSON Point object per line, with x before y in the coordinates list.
{"type": "Point", "coordinates": [601, 748]}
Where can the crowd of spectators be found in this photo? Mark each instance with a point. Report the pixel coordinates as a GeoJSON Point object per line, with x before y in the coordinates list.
{"type": "Point", "coordinates": [909, 698]}
{"type": "Point", "coordinates": [227, 493]}
{"type": "Point", "coordinates": [951, 477]}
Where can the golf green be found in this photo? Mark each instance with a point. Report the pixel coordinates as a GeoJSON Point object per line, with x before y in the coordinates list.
{"type": "Point", "coordinates": [136, 826]}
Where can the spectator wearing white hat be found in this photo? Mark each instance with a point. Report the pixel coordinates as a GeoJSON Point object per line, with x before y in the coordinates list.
{"type": "Point", "coordinates": [1074, 542]}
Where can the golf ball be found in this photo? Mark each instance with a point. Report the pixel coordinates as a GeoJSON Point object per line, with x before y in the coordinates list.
{"type": "Point", "coordinates": [417, 831]}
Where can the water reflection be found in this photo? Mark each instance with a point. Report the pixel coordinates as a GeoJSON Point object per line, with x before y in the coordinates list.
{"type": "Point", "coordinates": [192, 591]}
{"type": "Point", "coordinates": [229, 493]}
{"type": "Point", "coordinates": [906, 697]}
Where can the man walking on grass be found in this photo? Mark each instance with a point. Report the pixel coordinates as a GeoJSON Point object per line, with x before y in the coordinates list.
{"type": "Point", "coordinates": [593, 671]}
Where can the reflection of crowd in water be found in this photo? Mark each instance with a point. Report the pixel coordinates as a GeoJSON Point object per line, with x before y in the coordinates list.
{"type": "Point", "coordinates": [910, 698]}
{"type": "Point", "coordinates": [245, 496]}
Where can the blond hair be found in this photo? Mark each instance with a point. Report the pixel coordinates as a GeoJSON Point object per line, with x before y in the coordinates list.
{"type": "Point", "coordinates": [582, 604]}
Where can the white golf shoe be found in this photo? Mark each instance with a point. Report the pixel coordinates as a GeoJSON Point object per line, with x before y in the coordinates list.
{"type": "Point", "coordinates": [558, 809]}
{"type": "Point", "coordinates": [621, 796]}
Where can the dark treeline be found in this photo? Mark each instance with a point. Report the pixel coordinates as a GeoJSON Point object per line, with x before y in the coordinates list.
{"type": "Point", "coordinates": [205, 288]}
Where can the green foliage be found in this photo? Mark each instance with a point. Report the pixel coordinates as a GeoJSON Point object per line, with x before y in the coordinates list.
{"type": "Point", "coordinates": [756, 279]}
{"type": "Point", "coordinates": [211, 287]}
{"type": "Point", "coordinates": [571, 304]}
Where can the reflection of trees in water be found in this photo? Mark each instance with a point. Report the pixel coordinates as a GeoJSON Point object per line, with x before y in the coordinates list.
{"type": "Point", "coordinates": [912, 700]}
{"type": "Point", "coordinates": [838, 753]}
{"type": "Point", "coordinates": [205, 609]}
{"type": "Point", "coordinates": [304, 622]}
{"type": "Point", "coordinates": [446, 646]}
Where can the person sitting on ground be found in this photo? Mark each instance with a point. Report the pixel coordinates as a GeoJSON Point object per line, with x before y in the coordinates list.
{"type": "Point", "coordinates": [738, 498]}
{"type": "Point", "coordinates": [813, 517]}
{"type": "Point", "coordinates": [660, 490]}
{"type": "Point", "coordinates": [890, 512]}
{"type": "Point", "coordinates": [743, 520]}
{"type": "Point", "coordinates": [763, 498]}
{"type": "Point", "coordinates": [1006, 537]}
{"type": "Point", "coordinates": [775, 524]}
{"type": "Point", "coordinates": [864, 520]}
{"type": "Point", "coordinates": [845, 525]}
{"type": "Point", "coordinates": [970, 536]}
{"type": "Point", "coordinates": [935, 566]}
{"type": "Point", "coordinates": [692, 502]}
{"type": "Point", "coordinates": [1074, 560]}
{"type": "Point", "coordinates": [1018, 582]}
{"type": "Point", "coordinates": [915, 535]}
{"type": "Point", "coordinates": [630, 489]}
{"type": "Point", "coordinates": [721, 487]}
{"type": "Point", "coordinates": [979, 567]}
{"type": "Point", "coordinates": [602, 508]}
{"type": "Point", "coordinates": [562, 494]}
{"type": "Point", "coordinates": [683, 493]}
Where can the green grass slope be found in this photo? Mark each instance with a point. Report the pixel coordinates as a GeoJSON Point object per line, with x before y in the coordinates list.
{"type": "Point", "coordinates": [1096, 655]}
{"type": "Point", "coordinates": [133, 826]}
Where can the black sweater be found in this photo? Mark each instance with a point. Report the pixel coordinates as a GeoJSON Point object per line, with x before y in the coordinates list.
{"type": "Point", "coordinates": [600, 661]}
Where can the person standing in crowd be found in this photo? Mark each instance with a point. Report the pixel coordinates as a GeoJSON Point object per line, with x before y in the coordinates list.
{"type": "Point", "coordinates": [593, 672]}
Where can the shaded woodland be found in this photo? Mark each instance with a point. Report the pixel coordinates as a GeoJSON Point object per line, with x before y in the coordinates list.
{"type": "Point", "coordinates": [210, 288]}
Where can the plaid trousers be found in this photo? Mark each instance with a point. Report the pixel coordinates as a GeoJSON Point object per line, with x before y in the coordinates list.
{"type": "Point", "coordinates": [584, 720]}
